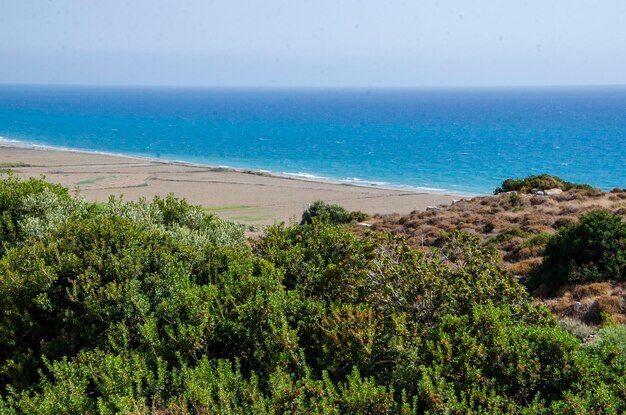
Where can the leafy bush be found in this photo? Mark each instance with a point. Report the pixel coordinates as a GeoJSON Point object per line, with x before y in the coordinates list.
{"type": "Point", "coordinates": [22, 199]}
{"type": "Point", "coordinates": [358, 216]}
{"type": "Point", "coordinates": [611, 337]}
{"type": "Point", "coordinates": [108, 283]}
{"type": "Point", "coordinates": [540, 182]}
{"type": "Point", "coordinates": [592, 250]}
{"type": "Point", "coordinates": [466, 361]}
{"type": "Point", "coordinates": [156, 307]}
{"type": "Point", "coordinates": [174, 216]}
{"type": "Point", "coordinates": [349, 289]}
{"type": "Point", "coordinates": [327, 212]}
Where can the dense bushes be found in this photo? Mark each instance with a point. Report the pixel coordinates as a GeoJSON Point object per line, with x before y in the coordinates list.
{"type": "Point", "coordinates": [327, 212]}
{"type": "Point", "coordinates": [157, 307]}
{"type": "Point", "coordinates": [20, 200]}
{"type": "Point", "coordinates": [592, 250]}
{"type": "Point", "coordinates": [540, 182]}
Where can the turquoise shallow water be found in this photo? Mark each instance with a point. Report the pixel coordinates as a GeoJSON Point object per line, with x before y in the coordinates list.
{"type": "Point", "coordinates": [459, 140]}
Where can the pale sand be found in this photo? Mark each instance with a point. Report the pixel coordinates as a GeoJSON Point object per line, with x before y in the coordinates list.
{"type": "Point", "coordinates": [239, 196]}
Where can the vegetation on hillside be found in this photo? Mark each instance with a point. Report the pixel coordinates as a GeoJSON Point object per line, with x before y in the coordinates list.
{"type": "Point", "coordinates": [159, 307]}
{"type": "Point", "coordinates": [591, 250]}
{"type": "Point", "coordinates": [518, 225]}
{"type": "Point", "coordinates": [540, 182]}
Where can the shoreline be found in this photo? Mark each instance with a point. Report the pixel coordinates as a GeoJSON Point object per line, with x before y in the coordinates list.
{"type": "Point", "coordinates": [11, 143]}
{"type": "Point", "coordinates": [247, 196]}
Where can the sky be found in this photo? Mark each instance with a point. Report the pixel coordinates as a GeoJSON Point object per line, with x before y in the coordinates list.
{"type": "Point", "coordinates": [313, 43]}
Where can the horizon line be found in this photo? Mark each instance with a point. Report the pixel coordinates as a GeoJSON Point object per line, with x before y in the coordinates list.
{"type": "Point", "coordinates": [311, 87]}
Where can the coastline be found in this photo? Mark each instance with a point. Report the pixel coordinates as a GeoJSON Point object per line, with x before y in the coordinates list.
{"type": "Point", "coordinates": [252, 197]}
{"type": "Point", "coordinates": [6, 142]}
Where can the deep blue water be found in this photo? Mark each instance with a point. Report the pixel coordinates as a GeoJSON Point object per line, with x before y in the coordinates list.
{"type": "Point", "coordinates": [461, 140]}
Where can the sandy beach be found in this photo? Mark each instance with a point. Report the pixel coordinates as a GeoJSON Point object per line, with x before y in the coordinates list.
{"type": "Point", "coordinates": [245, 197]}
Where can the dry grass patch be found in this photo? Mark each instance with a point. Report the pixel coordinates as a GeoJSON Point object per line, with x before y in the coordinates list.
{"type": "Point", "coordinates": [564, 221]}
{"type": "Point", "coordinates": [591, 290]}
{"type": "Point", "coordinates": [570, 210]}
{"type": "Point", "coordinates": [523, 267]}
{"type": "Point", "coordinates": [537, 219]}
{"type": "Point", "coordinates": [611, 304]}
{"type": "Point", "coordinates": [522, 253]}
{"type": "Point", "coordinates": [605, 307]}
{"type": "Point", "coordinates": [518, 225]}
{"type": "Point", "coordinates": [539, 200]}
{"type": "Point", "coordinates": [561, 306]}
{"type": "Point", "coordinates": [593, 304]}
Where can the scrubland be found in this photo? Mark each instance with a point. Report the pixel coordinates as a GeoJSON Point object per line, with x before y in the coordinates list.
{"type": "Point", "coordinates": [156, 306]}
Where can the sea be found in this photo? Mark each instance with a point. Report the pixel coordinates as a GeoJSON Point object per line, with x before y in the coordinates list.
{"type": "Point", "coordinates": [462, 140]}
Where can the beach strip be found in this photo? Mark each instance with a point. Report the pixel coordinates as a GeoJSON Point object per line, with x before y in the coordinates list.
{"type": "Point", "coordinates": [255, 198]}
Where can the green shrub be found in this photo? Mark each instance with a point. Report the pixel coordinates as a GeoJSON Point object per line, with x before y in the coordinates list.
{"type": "Point", "coordinates": [487, 361]}
{"type": "Point", "coordinates": [539, 239]}
{"type": "Point", "coordinates": [349, 288]}
{"type": "Point", "coordinates": [359, 216]}
{"type": "Point", "coordinates": [310, 256]}
{"type": "Point", "coordinates": [540, 182]}
{"type": "Point", "coordinates": [109, 283]}
{"type": "Point", "coordinates": [506, 235]}
{"type": "Point", "coordinates": [156, 307]}
{"type": "Point", "coordinates": [326, 212]}
{"type": "Point", "coordinates": [174, 216]}
{"type": "Point", "coordinates": [611, 337]}
{"type": "Point", "coordinates": [24, 199]}
{"type": "Point", "coordinates": [592, 250]}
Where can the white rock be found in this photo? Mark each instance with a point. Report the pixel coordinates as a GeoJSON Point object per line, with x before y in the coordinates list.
{"type": "Point", "coordinates": [554, 191]}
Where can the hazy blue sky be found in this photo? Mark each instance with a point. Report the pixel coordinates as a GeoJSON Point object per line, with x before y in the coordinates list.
{"type": "Point", "coordinates": [313, 43]}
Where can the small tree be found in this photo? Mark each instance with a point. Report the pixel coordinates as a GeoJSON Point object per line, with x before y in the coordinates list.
{"type": "Point", "coordinates": [594, 249]}
{"type": "Point", "coordinates": [326, 212]}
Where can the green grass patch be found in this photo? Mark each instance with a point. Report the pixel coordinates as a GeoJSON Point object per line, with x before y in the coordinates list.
{"type": "Point", "coordinates": [239, 213]}
{"type": "Point", "coordinates": [6, 167]}
{"type": "Point", "coordinates": [90, 181]}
